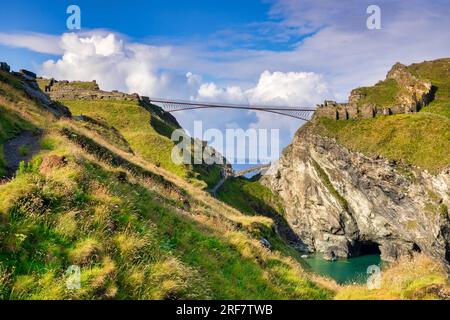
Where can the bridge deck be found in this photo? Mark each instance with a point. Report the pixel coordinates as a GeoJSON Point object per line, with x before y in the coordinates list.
{"type": "Point", "coordinates": [182, 105]}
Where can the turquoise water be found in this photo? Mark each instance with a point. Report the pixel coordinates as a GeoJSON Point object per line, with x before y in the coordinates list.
{"type": "Point", "coordinates": [353, 270]}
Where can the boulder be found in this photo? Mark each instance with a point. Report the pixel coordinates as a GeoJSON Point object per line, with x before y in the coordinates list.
{"type": "Point", "coordinates": [5, 67]}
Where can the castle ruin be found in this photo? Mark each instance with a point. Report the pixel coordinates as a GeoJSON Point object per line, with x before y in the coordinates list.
{"type": "Point", "coordinates": [412, 95]}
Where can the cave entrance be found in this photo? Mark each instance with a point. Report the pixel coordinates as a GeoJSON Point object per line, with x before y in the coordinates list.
{"type": "Point", "coordinates": [364, 248]}
{"type": "Point", "coordinates": [416, 248]}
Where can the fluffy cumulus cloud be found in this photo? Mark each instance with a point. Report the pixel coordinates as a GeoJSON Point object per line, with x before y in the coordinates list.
{"type": "Point", "coordinates": [115, 64]}
{"type": "Point", "coordinates": [273, 88]}
{"type": "Point", "coordinates": [118, 64]}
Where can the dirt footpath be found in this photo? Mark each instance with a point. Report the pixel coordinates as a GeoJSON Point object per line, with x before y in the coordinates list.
{"type": "Point", "coordinates": [20, 148]}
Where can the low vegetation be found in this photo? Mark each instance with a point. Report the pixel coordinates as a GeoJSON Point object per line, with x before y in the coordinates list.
{"type": "Point", "coordinates": [250, 196]}
{"type": "Point", "coordinates": [438, 72]}
{"type": "Point", "coordinates": [133, 128]}
{"type": "Point", "coordinates": [10, 125]}
{"type": "Point", "coordinates": [420, 278]}
{"type": "Point", "coordinates": [420, 139]}
{"type": "Point", "coordinates": [383, 94]}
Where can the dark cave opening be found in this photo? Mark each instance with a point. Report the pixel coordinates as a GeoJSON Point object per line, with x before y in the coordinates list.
{"type": "Point", "coordinates": [364, 248]}
{"type": "Point", "coordinates": [416, 248]}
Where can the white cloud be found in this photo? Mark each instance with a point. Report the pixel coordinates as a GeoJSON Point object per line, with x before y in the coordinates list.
{"type": "Point", "coordinates": [113, 62]}
{"type": "Point", "coordinates": [37, 42]}
{"type": "Point", "coordinates": [302, 89]}
{"type": "Point", "coordinates": [116, 63]}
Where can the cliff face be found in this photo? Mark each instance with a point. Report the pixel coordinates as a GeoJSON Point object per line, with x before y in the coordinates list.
{"type": "Point", "coordinates": [345, 204]}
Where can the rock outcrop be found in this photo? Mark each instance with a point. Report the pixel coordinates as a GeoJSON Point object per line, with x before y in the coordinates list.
{"type": "Point", "coordinates": [345, 204]}
{"type": "Point", "coordinates": [412, 94]}
{"type": "Point", "coordinates": [80, 90]}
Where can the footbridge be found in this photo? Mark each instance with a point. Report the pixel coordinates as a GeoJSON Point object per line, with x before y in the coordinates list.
{"type": "Point", "coordinates": [227, 174]}
{"type": "Point", "coordinates": [258, 169]}
{"type": "Point", "coordinates": [172, 106]}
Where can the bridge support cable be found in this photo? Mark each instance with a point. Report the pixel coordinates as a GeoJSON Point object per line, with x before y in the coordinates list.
{"type": "Point", "coordinates": [170, 106]}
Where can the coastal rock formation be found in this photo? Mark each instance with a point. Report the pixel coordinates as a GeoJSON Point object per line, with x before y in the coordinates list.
{"type": "Point", "coordinates": [407, 94]}
{"type": "Point", "coordinates": [344, 204]}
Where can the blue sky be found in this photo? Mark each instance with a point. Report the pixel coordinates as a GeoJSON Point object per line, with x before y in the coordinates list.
{"type": "Point", "coordinates": [158, 21]}
{"type": "Point", "coordinates": [286, 52]}
{"type": "Point", "coordinates": [139, 19]}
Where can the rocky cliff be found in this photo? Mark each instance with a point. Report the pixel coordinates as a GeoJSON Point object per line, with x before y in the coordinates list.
{"type": "Point", "coordinates": [401, 92]}
{"type": "Point", "coordinates": [345, 204]}
{"type": "Point", "coordinates": [363, 186]}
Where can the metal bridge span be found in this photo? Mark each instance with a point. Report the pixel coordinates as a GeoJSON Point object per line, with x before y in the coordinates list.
{"type": "Point", "coordinates": [171, 106]}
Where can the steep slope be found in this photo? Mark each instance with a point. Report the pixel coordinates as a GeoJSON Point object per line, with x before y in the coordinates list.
{"type": "Point", "coordinates": [121, 117]}
{"type": "Point", "coordinates": [135, 230]}
{"type": "Point", "coordinates": [356, 186]}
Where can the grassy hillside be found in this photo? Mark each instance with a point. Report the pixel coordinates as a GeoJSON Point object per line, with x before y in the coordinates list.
{"type": "Point", "coordinates": [136, 230]}
{"type": "Point", "coordinates": [133, 128]}
{"type": "Point", "coordinates": [438, 72]}
{"type": "Point", "coordinates": [130, 240]}
{"type": "Point", "coordinates": [383, 94]}
{"type": "Point", "coordinates": [133, 123]}
{"type": "Point", "coordinates": [250, 197]}
{"type": "Point", "coordinates": [421, 139]}
{"type": "Point", "coordinates": [419, 278]}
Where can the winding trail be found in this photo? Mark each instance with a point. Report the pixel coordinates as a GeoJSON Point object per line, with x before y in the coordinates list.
{"type": "Point", "coordinates": [28, 141]}
{"type": "Point", "coordinates": [214, 190]}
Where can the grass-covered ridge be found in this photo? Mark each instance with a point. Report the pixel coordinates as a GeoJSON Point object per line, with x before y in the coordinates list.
{"type": "Point", "coordinates": [438, 72]}
{"type": "Point", "coordinates": [133, 123]}
{"type": "Point", "coordinates": [421, 139]}
{"type": "Point", "coordinates": [419, 278]}
{"type": "Point", "coordinates": [130, 243]}
{"type": "Point", "coordinates": [383, 94]}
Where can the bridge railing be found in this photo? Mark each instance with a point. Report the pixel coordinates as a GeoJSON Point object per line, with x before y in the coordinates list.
{"type": "Point", "coordinates": [170, 105]}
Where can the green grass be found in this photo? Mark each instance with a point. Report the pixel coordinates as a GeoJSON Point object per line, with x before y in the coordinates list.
{"type": "Point", "coordinates": [133, 123]}
{"type": "Point", "coordinates": [129, 242]}
{"type": "Point", "coordinates": [419, 139]}
{"type": "Point", "coordinates": [23, 150]}
{"type": "Point", "coordinates": [419, 278]}
{"type": "Point", "coordinates": [438, 72]}
{"type": "Point", "coordinates": [383, 94]}
{"type": "Point", "coordinates": [209, 174]}
{"type": "Point", "coordinates": [250, 197]}
{"type": "Point", "coordinates": [134, 234]}
{"type": "Point", "coordinates": [107, 132]}
{"type": "Point", "coordinates": [132, 128]}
